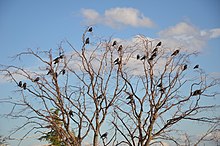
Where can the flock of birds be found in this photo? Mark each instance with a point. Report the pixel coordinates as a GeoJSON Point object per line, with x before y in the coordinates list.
{"type": "Point", "coordinates": [117, 61]}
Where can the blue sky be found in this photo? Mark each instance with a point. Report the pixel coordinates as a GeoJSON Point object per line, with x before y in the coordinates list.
{"type": "Point", "coordinates": [44, 24]}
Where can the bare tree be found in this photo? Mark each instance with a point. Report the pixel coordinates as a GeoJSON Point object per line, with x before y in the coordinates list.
{"type": "Point", "coordinates": [108, 92]}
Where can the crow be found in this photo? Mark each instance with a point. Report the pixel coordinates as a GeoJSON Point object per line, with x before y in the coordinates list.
{"type": "Point", "coordinates": [103, 136]}
{"type": "Point", "coordinates": [120, 48]}
{"type": "Point", "coordinates": [143, 58]}
{"type": "Point", "coordinates": [49, 72]}
{"type": "Point", "coordinates": [196, 66]}
{"type": "Point", "coordinates": [196, 92]}
{"type": "Point", "coordinates": [159, 85]}
{"type": "Point", "coordinates": [116, 60]}
{"type": "Point", "coordinates": [185, 67]}
{"type": "Point", "coordinates": [158, 44]}
{"type": "Point", "coordinates": [130, 96]}
{"type": "Point", "coordinates": [175, 53]}
{"type": "Point", "coordinates": [114, 43]}
{"type": "Point", "coordinates": [63, 71]}
{"type": "Point", "coordinates": [155, 50]}
{"type": "Point", "coordinates": [99, 97]}
{"type": "Point", "coordinates": [90, 29]}
{"type": "Point", "coordinates": [131, 101]}
{"type": "Point", "coordinates": [138, 56]}
{"type": "Point", "coordinates": [71, 113]}
{"type": "Point", "coordinates": [87, 41]}
{"type": "Point", "coordinates": [37, 79]}
{"type": "Point", "coordinates": [56, 60]}
{"type": "Point", "coordinates": [119, 62]}
{"type": "Point", "coordinates": [24, 86]}
{"type": "Point", "coordinates": [20, 84]}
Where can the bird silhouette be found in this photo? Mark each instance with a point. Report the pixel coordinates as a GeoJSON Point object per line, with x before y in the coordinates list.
{"type": "Point", "coordinates": [71, 113]}
{"type": "Point", "coordinates": [120, 48]}
{"type": "Point", "coordinates": [138, 56]}
{"type": "Point", "coordinates": [87, 41]}
{"type": "Point", "coordinates": [90, 29]}
{"type": "Point", "coordinates": [24, 86]}
{"type": "Point", "coordinates": [160, 85]}
{"type": "Point", "coordinates": [158, 44]}
{"type": "Point", "coordinates": [37, 79]}
{"type": "Point", "coordinates": [63, 71]}
{"type": "Point", "coordinates": [114, 43]}
{"type": "Point", "coordinates": [130, 96]}
{"type": "Point", "coordinates": [196, 66]}
{"type": "Point", "coordinates": [155, 50]}
{"type": "Point", "coordinates": [196, 92]}
{"type": "Point", "coordinates": [56, 60]}
{"type": "Point", "coordinates": [175, 53]}
{"type": "Point", "coordinates": [185, 67]}
{"type": "Point", "coordinates": [49, 72]}
{"type": "Point", "coordinates": [116, 60]}
{"type": "Point", "coordinates": [99, 97]}
{"type": "Point", "coordinates": [143, 58]}
{"type": "Point", "coordinates": [103, 136]}
{"type": "Point", "coordinates": [20, 84]}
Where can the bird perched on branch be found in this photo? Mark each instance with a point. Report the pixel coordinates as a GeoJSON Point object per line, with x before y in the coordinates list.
{"type": "Point", "coordinates": [37, 79]}
{"type": "Point", "coordinates": [90, 29]}
{"type": "Point", "coordinates": [120, 48]}
{"type": "Point", "coordinates": [24, 86]}
{"type": "Point", "coordinates": [71, 113]}
{"type": "Point", "coordinates": [185, 67]}
{"type": "Point", "coordinates": [114, 43]}
{"type": "Point", "coordinates": [175, 53]}
{"type": "Point", "coordinates": [158, 44]}
{"type": "Point", "coordinates": [20, 84]}
{"type": "Point", "coordinates": [87, 41]}
{"type": "Point", "coordinates": [138, 56]}
{"type": "Point", "coordinates": [197, 92]}
{"type": "Point", "coordinates": [103, 136]}
{"type": "Point", "coordinates": [143, 58]}
{"type": "Point", "coordinates": [196, 66]}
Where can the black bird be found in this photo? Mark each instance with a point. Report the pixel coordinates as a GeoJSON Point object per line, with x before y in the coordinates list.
{"type": "Point", "coordinates": [114, 43]}
{"type": "Point", "coordinates": [99, 97]}
{"type": "Point", "coordinates": [130, 96]}
{"type": "Point", "coordinates": [119, 62]}
{"type": "Point", "coordinates": [71, 113]}
{"type": "Point", "coordinates": [90, 29]}
{"type": "Point", "coordinates": [159, 85]}
{"type": "Point", "coordinates": [138, 56]}
{"type": "Point", "coordinates": [197, 92]}
{"type": "Point", "coordinates": [196, 66]}
{"type": "Point", "coordinates": [155, 50]}
{"type": "Point", "coordinates": [116, 60]}
{"type": "Point", "coordinates": [56, 60]}
{"type": "Point", "coordinates": [120, 48]}
{"type": "Point", "coordinates": [175, 53]}
{"type": "Point", "coordinates": [103, 136]}
{"type": "Point", "coordinates": [61, 56]}
{"type": "Point", "coordinates": [49, 72]}
{"type": "Point", "coordinates": [37, 79]}
{"type": "Point", "coordinates": [131, 101]}
{"type": "Point", "coordinates": [63, 71]}
{"type": "Point", "coordinates": [24, 86]}
{"type": "Point", "coordinates": [20, 84]}
{"type": "Point", "coordinates": [154, 55]}
{"type": "Point", "coordinates": [158, 44]}
{"type": "Point", "coordinates": [143, 58]}
{"type": "Point", "coordinates": [87, 41]}
{"type": "Point", "coordinates": [185, 67]}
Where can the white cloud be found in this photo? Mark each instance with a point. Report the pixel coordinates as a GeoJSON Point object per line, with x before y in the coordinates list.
{"type": "Point", "coordinates": [187, 36]}
{"type": "Point", "coordinates": [117, 17]}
